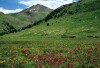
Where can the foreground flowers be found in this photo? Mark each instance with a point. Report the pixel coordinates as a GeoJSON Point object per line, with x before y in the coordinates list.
{"type": "Point", "coordinates": [74, 57]}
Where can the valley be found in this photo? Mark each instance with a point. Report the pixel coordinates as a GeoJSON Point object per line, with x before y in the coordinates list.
{"type": "Point", "coordinates": [67, 37]}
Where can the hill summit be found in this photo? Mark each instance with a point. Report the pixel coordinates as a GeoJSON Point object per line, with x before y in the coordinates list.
{"type": "Point", "coordinates": [35, 13]}
{"type": "Point", "coordinates": [35, 9]}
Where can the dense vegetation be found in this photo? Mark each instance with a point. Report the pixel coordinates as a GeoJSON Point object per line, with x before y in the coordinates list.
{"type": "Point", "coordinates": [50, 54]}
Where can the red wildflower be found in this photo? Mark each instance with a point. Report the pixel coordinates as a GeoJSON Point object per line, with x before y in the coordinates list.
{"type": "Point", "coordinates": [36, 60]}
{"type": "Point", "coordinates": [89, 49]}
{"type": "Point", "coordinates": [75, 58]}
{"type": "Point", "coordinates": [31, 56]}
{"type": "Point", "coordinates": [46, 55]}
{"type": "Point", "coordinates": [57, 63]}
{"type": "Point", "coordinates": [25, 50]}
{"type": "Point", "coordinates": [48, 60]}
{"type": "Point", "coordinates": [89, 57]}
{"type": "Point", "coordinates": [52, 63]}
{"type": "Point", "coordinates": [78, 48]}
{"type": "Point", "coordinates": [53, 53]}
{"type": "Point", "coordinates": [71, 51]}
{"type": "Point", "coordinates": [91, 61]}
{"type": "Point", "coordinates": [95, 63]}
{"type": "Point", "coordinates": [69, 65]}
{"type": "Point", "coordinates": [61, 57]}
{"type": "Point", "coordinates": [11, 64]}
{"type": "Point", "coordinates": [22, 62]}
{"type": "Point", "coordinates": [56, 59]}
{"type": "Point", "coordinates": [40, 65]}
{"type": "Point", "coordinates": [40, 57]}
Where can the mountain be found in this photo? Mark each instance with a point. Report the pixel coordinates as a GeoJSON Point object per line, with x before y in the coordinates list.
{"type": "Point", "coordinates": [33, 14]}
{"type": "Point", "coordinates": [76, 20]}
{"type": "Point", "coordinates": [17, 21]}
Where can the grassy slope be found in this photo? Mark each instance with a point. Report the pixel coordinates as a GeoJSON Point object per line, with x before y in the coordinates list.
{"type": "Point", "coordinates": [9, 23]}
{"type": "Point", "coordinates": [83, 23]}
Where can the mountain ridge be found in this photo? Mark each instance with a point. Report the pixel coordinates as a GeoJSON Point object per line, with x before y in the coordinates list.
{"type": "Point", "coordinates": [32, 14]}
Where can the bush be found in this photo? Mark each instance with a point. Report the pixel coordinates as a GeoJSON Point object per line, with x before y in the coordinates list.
{"type": "Point", "coordinates": [47, 24]}
{"type": "Point", "coordinates": [65, 36]}
{"type": "Point", "coordinates": [90, 36]}
{"type": "Point", "coordinates": [96, 36]}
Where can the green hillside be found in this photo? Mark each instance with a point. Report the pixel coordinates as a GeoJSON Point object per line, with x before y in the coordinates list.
{"type": "Point", "coordinates": [10, 24]}
{"type": "Point", "coordinates": [33, 14]}
{"type": "Point", "coordinates": [77, 20]}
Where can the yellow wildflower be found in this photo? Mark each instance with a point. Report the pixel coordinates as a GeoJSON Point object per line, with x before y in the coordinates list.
{"type": "Point", "coordinates": [2, 61]}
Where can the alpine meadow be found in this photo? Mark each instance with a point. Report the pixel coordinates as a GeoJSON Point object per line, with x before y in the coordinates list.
{"type": "Point", "coordinates": [41, 37]}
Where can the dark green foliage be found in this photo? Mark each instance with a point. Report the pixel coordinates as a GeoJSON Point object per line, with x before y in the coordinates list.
{"type": "Point", "coordinates": [82, 6]}
{"type": "Point", "coordinates": [47, 24]}
{"type": "Point", "coordinates": [66, 36]}
{"type": "Point", "coordinates": [10, 29]}
{"type": "Point", "coordinates": [91, 36]}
